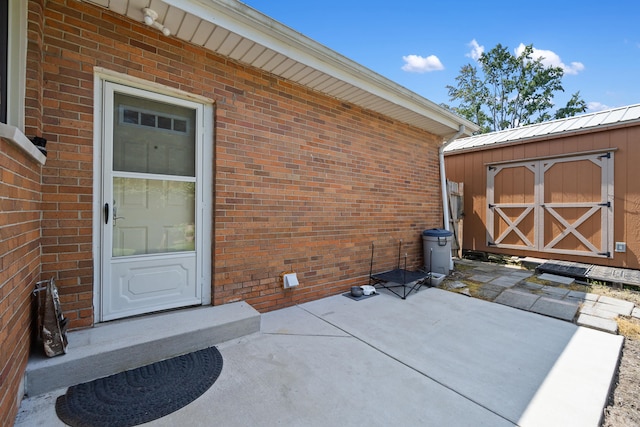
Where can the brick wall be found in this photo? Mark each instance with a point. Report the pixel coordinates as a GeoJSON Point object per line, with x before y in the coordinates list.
{"type": "Point", "coordinates": [19, 268]}
{"type": "Point", "coordinates": [302, 182]}
{"type": "Point", "coordinates": [307, 184]}
{"type": "Point", "coordinates": [20, 196]}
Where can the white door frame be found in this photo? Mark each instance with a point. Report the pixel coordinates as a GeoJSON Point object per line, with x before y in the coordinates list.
{"type": "Point", "coordinates": [204, 165]}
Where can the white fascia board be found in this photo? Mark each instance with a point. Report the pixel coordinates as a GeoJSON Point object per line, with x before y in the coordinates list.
{"type": "Point", "coordinates": [248, 22]}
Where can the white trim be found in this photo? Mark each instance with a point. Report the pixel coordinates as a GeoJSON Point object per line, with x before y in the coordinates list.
{"type": "Point", "coordinates": [608, 195]}
{"type": "Point", "coordinates": [14, 135]}
{"type": "Point", "coordinates": [247, 24]}
{"type": "Point", "coordinates": [98, 108]}
{"type": "Point", "coordinates": [206, 164]}
{"type": "Point", "coordinates": [136, 82]}
{"type": "Point", "coordinates": [204, 168]}
{"type": "Point", "coordinates": [555, 156]}
{"type": "Point", "coordinates": [16, 62]}
{"type": "Point", "coordinates": [253, 25]}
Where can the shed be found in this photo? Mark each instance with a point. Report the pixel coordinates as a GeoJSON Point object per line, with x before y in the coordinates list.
{"type": "Point", "coordinates": [563, 189]}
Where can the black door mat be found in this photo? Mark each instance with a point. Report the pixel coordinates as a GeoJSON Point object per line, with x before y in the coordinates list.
{"type": "Point", "coordinates": [143, 394]}
{"type": "Point", "coordinates": [565, 268]}
{"type": "Point", "coordinates": [361, 297]}
{"type": "Point", "coordinates": [593, 272]}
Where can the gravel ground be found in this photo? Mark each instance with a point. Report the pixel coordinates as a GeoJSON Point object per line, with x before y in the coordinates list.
{"type": "Point", "coordinates": [624, 407]}
{"type": "Point", "coordinates": [624, 403]}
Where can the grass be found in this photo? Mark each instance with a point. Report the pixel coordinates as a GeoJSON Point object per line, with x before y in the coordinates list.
{"type": "Point", "coordinates": [623, 294]}
{"type": "Point", "coordinates": [536, 279]}
{"type": "Point", "coordinates": [472, 288]}
{"type": "Point", "coordinates": [463, 267]}
{"type": "Point", "coordinates": [629, 327]}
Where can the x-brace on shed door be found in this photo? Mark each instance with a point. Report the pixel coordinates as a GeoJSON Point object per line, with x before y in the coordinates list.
{"type": "Point", "coordinates": [557, 205]}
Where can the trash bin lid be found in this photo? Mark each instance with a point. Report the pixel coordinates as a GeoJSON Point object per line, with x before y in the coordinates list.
{"type": "Point", "coordinates": [437, 232]}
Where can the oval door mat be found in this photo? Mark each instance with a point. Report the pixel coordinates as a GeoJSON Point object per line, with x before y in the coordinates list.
{"type": "Point", "coordinates": [143, 394]}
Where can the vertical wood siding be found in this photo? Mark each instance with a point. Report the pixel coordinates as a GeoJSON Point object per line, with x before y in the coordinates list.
{"type": "Point", "coordinates": [567, 182]}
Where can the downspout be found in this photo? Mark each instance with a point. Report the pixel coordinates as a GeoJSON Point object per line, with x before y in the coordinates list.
{"type": "Point", "coordinates": [443, 177]}
{"type": "Point", "coordinates": [443, 182]}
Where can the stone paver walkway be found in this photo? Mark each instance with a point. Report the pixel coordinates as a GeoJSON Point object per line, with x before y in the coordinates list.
{"type": "Point", "coordinates": [547, 294]}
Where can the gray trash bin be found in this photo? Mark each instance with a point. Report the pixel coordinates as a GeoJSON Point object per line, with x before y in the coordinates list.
{"type": "Point", "coordinates": [437, 250]}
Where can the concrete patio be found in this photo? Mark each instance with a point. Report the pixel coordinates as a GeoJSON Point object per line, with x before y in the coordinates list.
{"type": "Point", "coordinates": [436, 358]}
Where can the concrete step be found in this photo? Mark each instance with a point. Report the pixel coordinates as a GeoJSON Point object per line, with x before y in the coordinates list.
{"type": "Point", "coordinates": [117, 346]}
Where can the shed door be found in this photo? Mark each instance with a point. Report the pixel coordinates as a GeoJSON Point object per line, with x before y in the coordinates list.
{"type": "Point", "coordinates": [561, 205]}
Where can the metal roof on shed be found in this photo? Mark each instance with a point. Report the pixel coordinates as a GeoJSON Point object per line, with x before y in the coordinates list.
{"type": "Point", "coordinates": [582, 123]}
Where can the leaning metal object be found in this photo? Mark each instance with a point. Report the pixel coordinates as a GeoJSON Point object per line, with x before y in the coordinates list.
{"type": "Point", "coordinates": [51, 324]}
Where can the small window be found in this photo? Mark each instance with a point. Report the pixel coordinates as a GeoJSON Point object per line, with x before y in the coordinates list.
{"type": "Point", "coordinates": [130, 116]}
{"type": "Point", "coordinates": [138, 117]}
{"type": "Point", "coordinates": [148, 120]}
{"type": "Point", "coordinates": [180, 125]}
{"type": "Point", "coordinates": [164, 122]}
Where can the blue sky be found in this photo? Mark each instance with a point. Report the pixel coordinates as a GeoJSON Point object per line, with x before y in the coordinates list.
{"type": "Point", "coordinates": [422, 44]}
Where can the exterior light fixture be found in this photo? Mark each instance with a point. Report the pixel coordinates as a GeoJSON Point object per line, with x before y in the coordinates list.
{"type": "Point", "coordinates": [151, 19]}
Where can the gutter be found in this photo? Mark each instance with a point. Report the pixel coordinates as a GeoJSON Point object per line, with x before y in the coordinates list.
{"type": "Point", "coordinates": [443, 183]}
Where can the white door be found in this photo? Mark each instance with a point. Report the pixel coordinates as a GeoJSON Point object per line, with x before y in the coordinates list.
{"type": "Point", "coordinates": [151, 222]}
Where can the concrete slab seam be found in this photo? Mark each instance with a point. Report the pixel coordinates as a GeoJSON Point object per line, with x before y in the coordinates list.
{"type": "Point", "coordinates": [412, 368]}
{"type": "Point", "coordinates": [308, 335]}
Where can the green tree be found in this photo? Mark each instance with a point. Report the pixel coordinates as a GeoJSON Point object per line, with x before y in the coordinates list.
{"type": "Point", "coordinates": [510, 91]}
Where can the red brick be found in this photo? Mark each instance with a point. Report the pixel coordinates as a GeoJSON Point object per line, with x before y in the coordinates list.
{"type": "Point", "coordinates": [303, 182]}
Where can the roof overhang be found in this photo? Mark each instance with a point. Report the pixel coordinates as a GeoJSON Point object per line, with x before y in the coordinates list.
{"type": "Point", "coordinates": [237, 31]}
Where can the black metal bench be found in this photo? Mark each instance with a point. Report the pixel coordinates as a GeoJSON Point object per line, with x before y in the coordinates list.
{"type": "Point", "coordinates": [398, 278]}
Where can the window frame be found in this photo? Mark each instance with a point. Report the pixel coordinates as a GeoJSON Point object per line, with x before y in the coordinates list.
{"type": "Point", "coordinates": [15, 62]}
{"type": "Point", "coordinates": [4, 52]}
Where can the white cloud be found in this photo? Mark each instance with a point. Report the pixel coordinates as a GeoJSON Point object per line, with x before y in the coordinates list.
{"type": "Point", "coordinates": [551, 59]}
{"type": "Point", "coordinates": [596, 106]}
{"type": "Point", "coordinates": [476, 50]}
{"type": "Point", "coordinates": [419, 64]}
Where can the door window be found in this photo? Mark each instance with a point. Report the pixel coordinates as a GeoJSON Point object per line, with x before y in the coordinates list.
{"type": "Point", "coordinates": [153, 177]}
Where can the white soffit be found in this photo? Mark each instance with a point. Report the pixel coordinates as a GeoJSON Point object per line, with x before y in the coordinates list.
{"type": "Point", "coordinates": [233, 29]}
{"type": "Point", "coordinates": [583, 123]}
